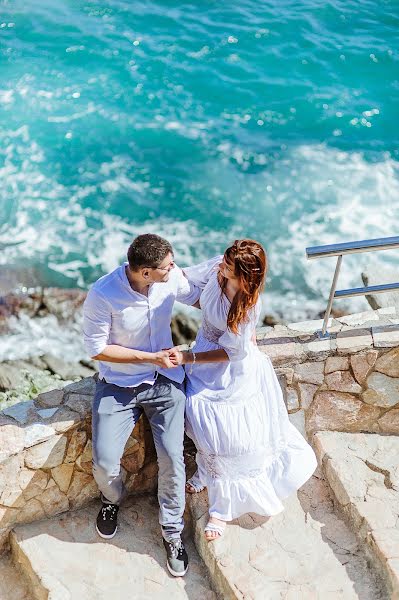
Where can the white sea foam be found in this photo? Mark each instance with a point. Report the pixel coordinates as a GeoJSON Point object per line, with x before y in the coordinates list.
{"type": "Point", "coordinates": [306, 195]}
{"type": "Point", "coordinates": [33, 337]}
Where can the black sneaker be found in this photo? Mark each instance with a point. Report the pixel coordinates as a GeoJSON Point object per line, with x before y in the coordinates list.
{"type": "Point", "coordinates": [177, 559]}
{"type": "Point", "coordinates": [107, 522]}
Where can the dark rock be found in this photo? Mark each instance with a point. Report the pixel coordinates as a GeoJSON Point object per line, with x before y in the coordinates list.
{"type": "Point", "coordinates": [64, 369]}
{"type": "Point", "coordinates": [90, 364]}
{"type": "Point", "coordinates": [64, 304]}
{"type": "Point", "coordinates": [79, 403]}
{"type": "Point", "coordinates": [336, 313]}
{"type": "Point", "coordinates": [17, 304]}
{"type": "Point", "coordinates": [85, 386]}
{"type": "Point", "coordinates": [38, 302]}
{"type": "Point", "coordinates": [270, 321]}
{"type": "Point", "coordinates": [37, 362]}
{"type": "Point", "coordinates": [11, 377]}
{"type": "Point", "coordinates": [184, 329]}
{"type": "Point", "coordinates": [50, 399]}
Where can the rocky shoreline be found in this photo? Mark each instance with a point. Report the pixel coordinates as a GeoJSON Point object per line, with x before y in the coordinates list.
{"type": "Point", "coordinates": [24, 379]}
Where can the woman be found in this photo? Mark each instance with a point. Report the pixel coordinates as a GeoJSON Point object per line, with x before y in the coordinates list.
{"type": "Point", "coordinates": [249, 454]}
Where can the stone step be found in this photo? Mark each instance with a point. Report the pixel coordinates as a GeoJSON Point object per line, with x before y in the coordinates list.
{"type": "Point", "coordinates": [12, 586]}
{"type": "Point", "coordinates": [64, 559]}
{"type": "Point", "coordinates": [305, 553]}
{"type": "Point", "coordinates": [362, 470]}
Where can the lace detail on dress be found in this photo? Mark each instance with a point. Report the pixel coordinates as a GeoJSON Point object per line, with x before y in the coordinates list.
{"type": "Point", "coordinates": [210, 332]}
{"type": "Point", "coordinates": [239, 466]}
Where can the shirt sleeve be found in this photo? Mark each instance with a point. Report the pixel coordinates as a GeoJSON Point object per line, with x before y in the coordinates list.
{"type": "Point", "coordinates": [187, 291]}
{"type": "Point", "coordinates": [97, 318]}
{"type": "Point", "coordinates": [200, 274]}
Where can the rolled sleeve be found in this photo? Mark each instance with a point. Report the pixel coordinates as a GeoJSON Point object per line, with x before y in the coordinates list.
{"type": "Point", "coordinates": [199, 274]}
{"type": "Point", "coordinates": [187, 291]}
{"type": "Point", "coordinates": [97, 316]}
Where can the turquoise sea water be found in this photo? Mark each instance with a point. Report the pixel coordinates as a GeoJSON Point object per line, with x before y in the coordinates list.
{"type": "Point", "coordinates": [203, 122]}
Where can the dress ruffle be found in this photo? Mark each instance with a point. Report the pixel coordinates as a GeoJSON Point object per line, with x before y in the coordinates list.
{"type": "Point", "coordinates": [233, 495]}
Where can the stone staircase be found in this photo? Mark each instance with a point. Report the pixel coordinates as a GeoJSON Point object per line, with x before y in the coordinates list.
{"type": "Point", "coordinates": [338, 538]}
{"type": "Point", "coordinates": [64, 559]}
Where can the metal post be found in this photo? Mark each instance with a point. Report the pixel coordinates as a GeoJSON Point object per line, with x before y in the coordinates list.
{"type": "Point", "coordinates": [324, 333]}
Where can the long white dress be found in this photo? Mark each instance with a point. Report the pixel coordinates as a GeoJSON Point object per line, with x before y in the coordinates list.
{"type": "Point", "coordinates": [249, 455]}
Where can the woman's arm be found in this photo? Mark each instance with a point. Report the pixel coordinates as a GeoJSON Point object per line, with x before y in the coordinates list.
{"type": "Point", "coordinates": [179, 357]}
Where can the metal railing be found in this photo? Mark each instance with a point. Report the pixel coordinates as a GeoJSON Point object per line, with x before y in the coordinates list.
{"type": "Point", "coordinates": [351, 248]}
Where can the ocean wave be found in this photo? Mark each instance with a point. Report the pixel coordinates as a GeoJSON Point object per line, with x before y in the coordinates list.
{"type": "Point", "coordinates": [308, 195]}
{"type": "Point", "coordinates": [272, 121]}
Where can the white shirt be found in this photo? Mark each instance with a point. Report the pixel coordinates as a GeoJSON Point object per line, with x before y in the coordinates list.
{"type": "Point", "coordinates": [113, 313]}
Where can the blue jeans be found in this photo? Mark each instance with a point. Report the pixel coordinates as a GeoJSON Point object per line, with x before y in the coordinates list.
{"type": "Point", "coordinates": [116, 411]}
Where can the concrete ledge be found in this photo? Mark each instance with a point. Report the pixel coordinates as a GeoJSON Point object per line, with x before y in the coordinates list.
{"type": "Point", "coordinates": [46, 457]}
{"type": "Point", "coordinates": [306, 552]}
{"type": "Point", "coordinates": [362, 471]}
{"type": "Point", "coordinates": [63, 558]}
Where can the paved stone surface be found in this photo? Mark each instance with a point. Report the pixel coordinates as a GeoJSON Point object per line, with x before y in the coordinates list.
{"type": "Point", "coordinates": [12, 585]}
{"type": "Point", "coordinates": [304, 553]}
{"type": "Point", "coordinates": [65, 556]}
{"type": "Point", "coordinates": [363, 472]}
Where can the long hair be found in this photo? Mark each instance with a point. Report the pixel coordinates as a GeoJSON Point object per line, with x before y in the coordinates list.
{"type": "Point", "coordinates": [250, 266]}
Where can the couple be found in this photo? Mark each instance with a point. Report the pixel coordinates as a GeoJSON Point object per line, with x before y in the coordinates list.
{"type": "Point", "coordinates": [249, 456]}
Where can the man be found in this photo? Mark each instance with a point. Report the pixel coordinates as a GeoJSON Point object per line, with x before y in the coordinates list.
{"type": "Point", "coordinates": [126, 327]}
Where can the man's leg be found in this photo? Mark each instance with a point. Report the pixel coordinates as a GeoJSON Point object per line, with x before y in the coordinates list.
{"type": "Point", "coordinates": [164, 405]}
{"type": "Point", "coordinates": [114, 418]}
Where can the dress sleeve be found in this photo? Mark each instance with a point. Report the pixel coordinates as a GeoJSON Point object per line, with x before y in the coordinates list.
{"type": "Point", "coordinates": [236, 344]}
{"type": "Point", "coordinates": [97, 317]}
{"type": "Point", "coordinates": [199, 274]}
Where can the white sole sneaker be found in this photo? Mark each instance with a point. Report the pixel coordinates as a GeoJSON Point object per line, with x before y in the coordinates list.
{"type": "Point", "coordinates": [174, 573]}
{"type": "Point", "coordinates": [103, 535]}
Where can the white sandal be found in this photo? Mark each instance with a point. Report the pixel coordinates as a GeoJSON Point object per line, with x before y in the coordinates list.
{"type": "Point", "coordinates": [219, 529]}
{"type": "Point", "coordinates": [195, 483]}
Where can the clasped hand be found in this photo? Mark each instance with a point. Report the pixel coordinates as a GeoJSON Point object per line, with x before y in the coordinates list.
{"type": "Point", "coordinates": [169, 358]}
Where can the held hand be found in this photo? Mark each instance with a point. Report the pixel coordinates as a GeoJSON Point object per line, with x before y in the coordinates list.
{"type": "Point", "coordinates": [163, 360]}
{"type": "Point", "coordinates": [176, 356]}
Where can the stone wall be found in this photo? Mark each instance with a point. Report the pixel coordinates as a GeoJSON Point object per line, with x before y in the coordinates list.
{"type": "Point", "coordinates": [348, 382]}
{"type": "Point", "coordinates": [46, 453]}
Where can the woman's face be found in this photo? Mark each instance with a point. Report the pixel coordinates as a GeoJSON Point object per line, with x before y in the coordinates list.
{"type": "Point", "coordinates": [226, 268]}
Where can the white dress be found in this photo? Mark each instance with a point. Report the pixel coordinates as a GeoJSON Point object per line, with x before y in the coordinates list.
{"type": "Point", "coordinates": [249, 455]}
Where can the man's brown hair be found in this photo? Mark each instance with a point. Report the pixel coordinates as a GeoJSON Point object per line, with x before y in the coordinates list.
{"type": "Point", "coordinates": [148, 250]}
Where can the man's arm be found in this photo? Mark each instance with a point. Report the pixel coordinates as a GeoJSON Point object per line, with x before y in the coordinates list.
{"type": "Point", "coordinates": [97, 317]}
{"type": "Point", "coordinates": [119, 354]}
{"type": "Point", "coordinates": [187, 292]}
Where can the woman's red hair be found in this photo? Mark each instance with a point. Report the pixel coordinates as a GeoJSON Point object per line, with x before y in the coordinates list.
{"type": "Point", "coordinates": [249, 261]}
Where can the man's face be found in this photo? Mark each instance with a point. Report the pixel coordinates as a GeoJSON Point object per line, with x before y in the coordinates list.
{"type": "Point", "coordinates": [160, 274]}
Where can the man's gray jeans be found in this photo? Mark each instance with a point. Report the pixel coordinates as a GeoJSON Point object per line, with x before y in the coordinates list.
{"type": "Point", "coordinates": [116, 410]}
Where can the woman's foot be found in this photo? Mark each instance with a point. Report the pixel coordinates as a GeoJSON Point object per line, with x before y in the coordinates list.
{"type": "Point", "coordinates": [214, 529]}
{"type": "Point", "coordinates": [194, 485]}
